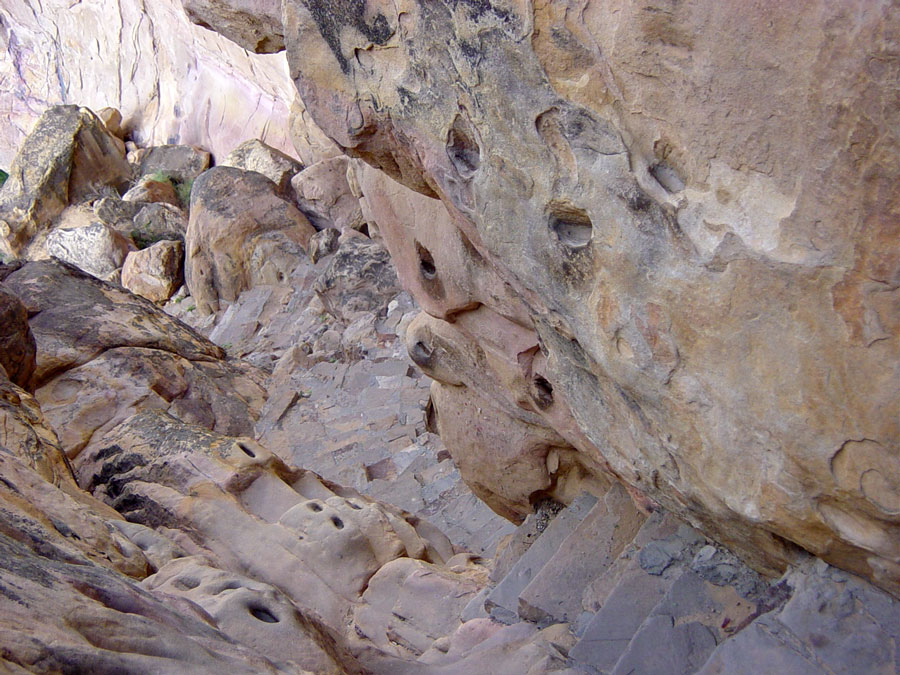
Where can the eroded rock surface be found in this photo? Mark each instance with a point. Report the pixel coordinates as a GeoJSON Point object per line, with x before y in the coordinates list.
{"type": "Point", "coordinates": [237, 218]}
{"type": "Point", "coordinates": [711, 280]}
{"type": "Point", "coordinates": [172, 82]}
{"type": "Point", "coordinates": [67, 156]}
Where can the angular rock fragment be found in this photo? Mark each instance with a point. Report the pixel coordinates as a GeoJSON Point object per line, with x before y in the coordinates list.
{"type": "Point", "coordinates": [155, 272]}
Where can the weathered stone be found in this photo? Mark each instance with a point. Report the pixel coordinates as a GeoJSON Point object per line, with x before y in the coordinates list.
{"type": "Point", "coordinates": [181, 163]}
{"type": "Point", "coordinates": [155, 272]}
{"type": "Point", "coordinates": [250, 612]}
{"type": "Point", "coordinates": [96, 249]}
{"type": "Point", "coordinates": [323, 243]}
{"type": "Point", "coordinates": [699, 270]}
{"type": "Point", "coordinates": [255, 26]}
{"type": "Point", "coordinates": [231, 211]}
{"type": "Point", "coordinates": [75, 318]}
{"type": "Point", "coordinates": [17, 346]}
{"type": "Point", "coordinates": [68, 156]}
{"type": "Point", "coordinates": [116, 212]}
{"type": "Point", "coordinates": [192, 87]}
{"type": "Point", "coordinates": [254, 155]}
{"type": "Point", "coordinates": [156, 222]}
{"type": "Point", "coordinates": [324, 195]}
{"type": "Point", "coordinates": [359, 278]}
{"type": "Point", "coordinates": [112, 120]}
{"type": "Point", "coordinates": [153, 188]}
{"type": "Point", "coordinates": [310, 143]}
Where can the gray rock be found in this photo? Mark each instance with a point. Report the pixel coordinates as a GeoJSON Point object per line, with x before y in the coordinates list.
{"type": "Point", "coordinates": [554, 595]}
{"type": "Point", "coordinates": [182, 163]}
{"type": "Point", "coordinates": [96, 249]}
{"type": "Point", "coordinates": [503, 601]}
{"type": "Point", "coordinates": [254, 155]}
{"type": "Point", "coordinates": [666, 648]}
{"type": "Point", "coordinates": [323, 243]}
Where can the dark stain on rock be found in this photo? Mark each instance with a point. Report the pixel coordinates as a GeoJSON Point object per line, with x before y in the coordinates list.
{"type": "Point", "coordinates": [332, 15]}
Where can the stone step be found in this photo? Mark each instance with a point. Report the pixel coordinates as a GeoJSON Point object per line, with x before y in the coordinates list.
{"type": "Point", "coordinates": [623, 598]}
{"type": "Point", "coordinates": [834, 622]}
{"type": "Point", "coordinates": [554, 595]}
{"type": "Point", "coordinates": [693, 617]}
{"type": "Point", "coordinates": [503, 601]}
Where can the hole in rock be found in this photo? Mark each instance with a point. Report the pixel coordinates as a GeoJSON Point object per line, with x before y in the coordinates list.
{"type": "Point", "coordinates": [420, 353]}
{"type": "Point", "coordinates": [247, 451]}
{"type": "Point", "coordinates": [354, 506]}
{"type": "Point", "coordinates": [337, 522]}
{"type": "Point", "coordinates": [462, 148]}
{"type": "Point", "coordinates": [227, 586]}
{"type": "Point", "coordinates": [262, 614]}
{"type": "Point", "coordinates": [426, 262]}
{"type": "Point", "coordinates": [543, 392]}
{"type": "Point", "coordinates": [314, 506]}
{"type": "Point", "coordinates": [572, 225]}
{"type": "Point", "coordinates": [186, 583]}
{"type": "Point", "coordinates": [666, 176]}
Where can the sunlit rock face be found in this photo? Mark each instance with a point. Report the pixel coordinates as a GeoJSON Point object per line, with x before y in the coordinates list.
{"type": "Point", "coordinates": [174, 82]}
{"type": "Point", "coordinates": [692, 207]}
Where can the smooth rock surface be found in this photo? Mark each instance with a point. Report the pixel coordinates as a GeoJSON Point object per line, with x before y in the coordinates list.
{"type": "Point", "coordinates": [173, 82]}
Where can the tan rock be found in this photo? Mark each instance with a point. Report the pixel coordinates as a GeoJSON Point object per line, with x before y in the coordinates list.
{"type": "Point", "coordinates": [231, 211]}
{"type": "Point", "coordinates": [155, 272]}
{"type": "Point", "coordinates": [112, 120]}
{"type": "Point", "coordinates": [75, 318]}
{"type": "Point", "coordinates": [254, 155]}
{"type": "Point", "coordinates": [282, 526]}
{"type": "Point", "coordinates": [153, 188]}
{"type": "Point", "coordinates": [309, 141]}
{"type": "Point", "coordinates": [86, 401]}
{"type": "Point", "coordinates": [324, 195]}
{"type": "Point", "coordinates": [712, 279]}
{"type": "Point", "coordinates": [254, 25]}
{"type": "Point", "coordinates": [68, 156]}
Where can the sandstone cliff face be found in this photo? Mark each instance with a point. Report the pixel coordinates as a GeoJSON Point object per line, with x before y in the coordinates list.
{"type": "Point", "coordinates": [690, 208]}
{"type": "Point", "coordinates": [173, 82]}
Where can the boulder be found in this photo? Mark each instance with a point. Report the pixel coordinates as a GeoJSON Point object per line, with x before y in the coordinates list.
{"type": "Point", "coordinates": [254, 155]}
{"type": "Point", "coordinates": [17, 345]}
{"type": "Point", "coordinates": [153, 188]}
{"type": "Point", "coordinates": [180, 163]}
{"type": "Point", "coordinates": [323, 243]}
{"type": "Point", "coordinates": [96, 249]}
{"type": "Point", "coordinates": [75, 318]}
{"type": "Point", "coordinates": [713, 281]}
{"type": "Point", "coordinates": [155, 222]}
{"type": "Point", "coordinates": [231, 211]}
{"type": "Point", "coordinates": [255, 25]}
{"type": "Point", "coordinates": [359, 278]}
{"type": "Point", "coordinates": [324, 195]}
{"type": "Point", "coordinates": [155, 272]}
{"type": "Point", "coordinates": [68, 156]}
